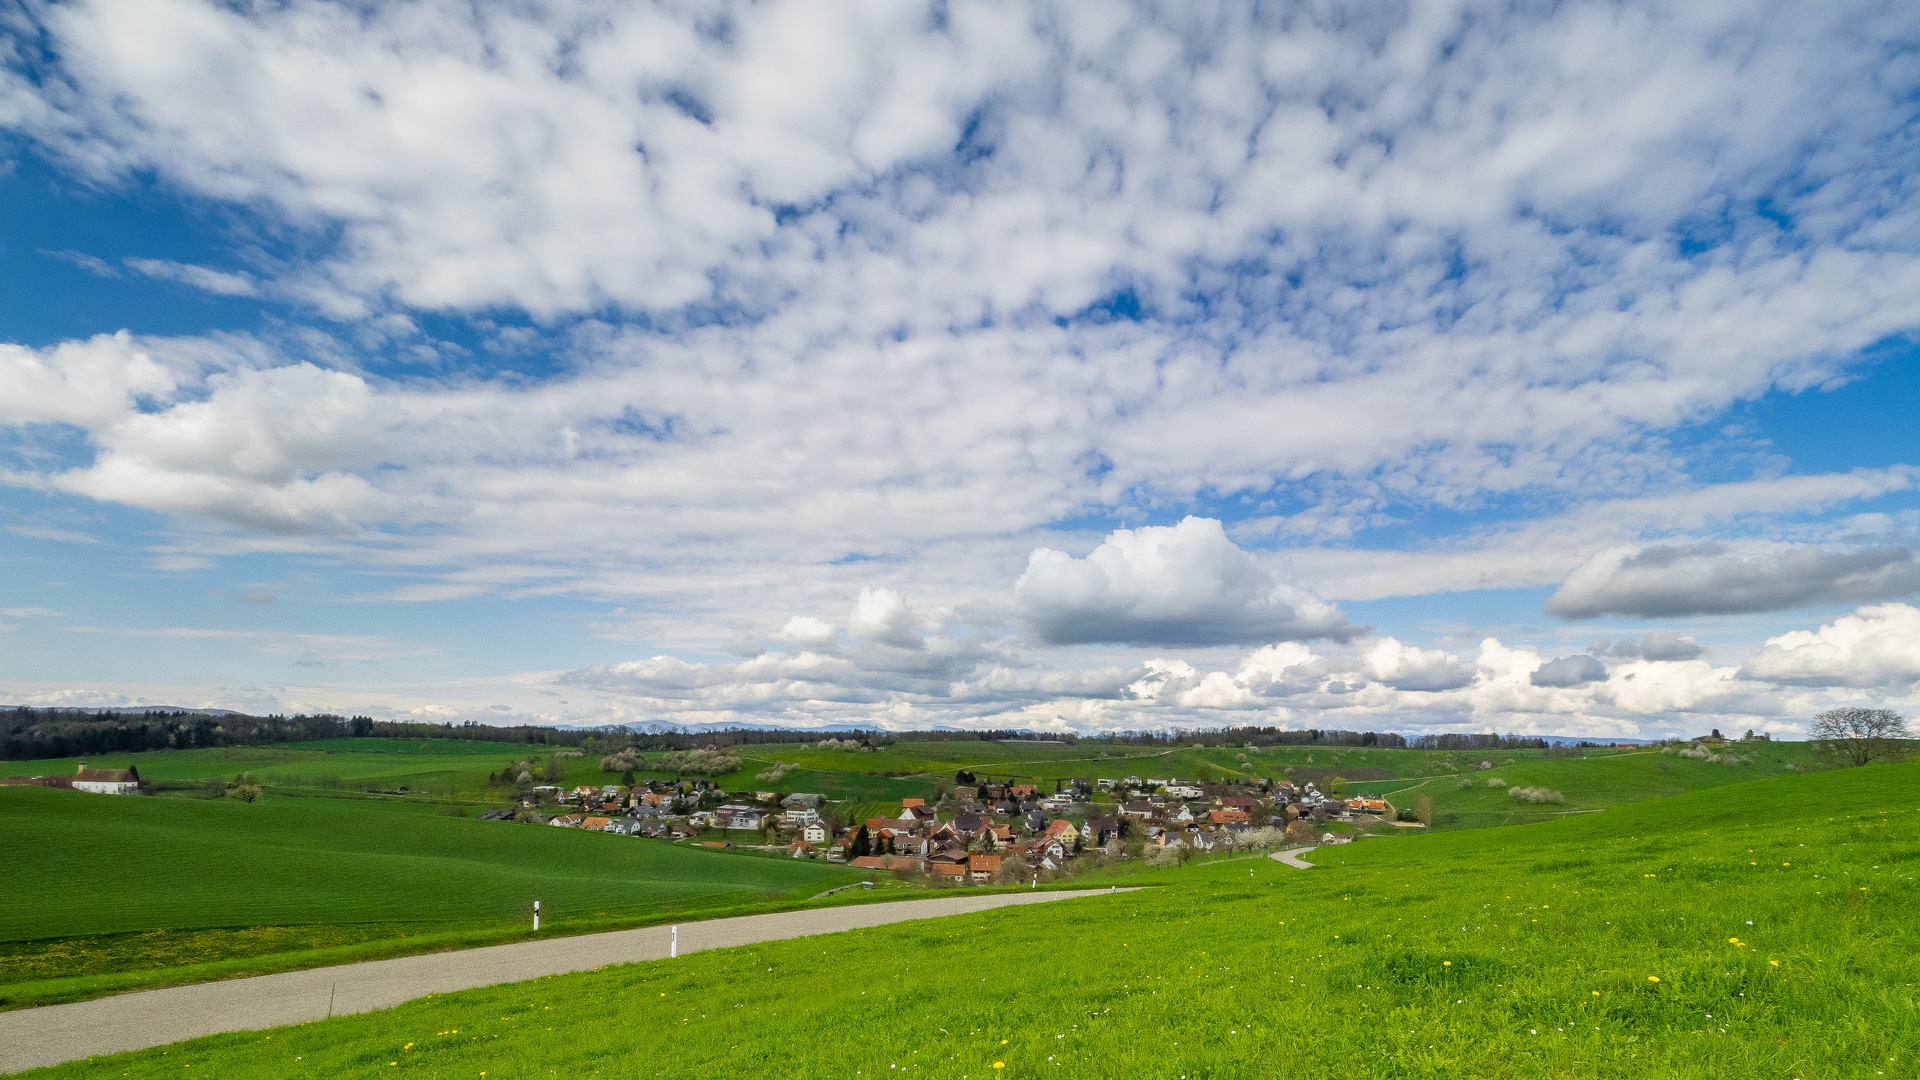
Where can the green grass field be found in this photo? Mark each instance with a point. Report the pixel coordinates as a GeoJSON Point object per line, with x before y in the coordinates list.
{"type": "Point", "coordinates": [1764, 929]}
{"type": "Point", "coordinates": [96, 876]}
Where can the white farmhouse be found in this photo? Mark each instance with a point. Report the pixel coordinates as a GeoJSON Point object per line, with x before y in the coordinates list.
{"type": "Point", "coordinates": [107, 781]}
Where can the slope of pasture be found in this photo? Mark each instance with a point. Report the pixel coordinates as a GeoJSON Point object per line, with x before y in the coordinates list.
{"type": "Point", "coordinates": [1751, 930]}
{"type": "Point", "coordinates": [1593, 783]}
{"type": "Point", "coordinates": [90, 864]}
{"type": "Point", "coordinates": [301, 766]}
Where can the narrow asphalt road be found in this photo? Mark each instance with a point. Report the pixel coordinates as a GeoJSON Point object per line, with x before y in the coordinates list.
{"type": "Point", "coordinates": [30, 1038]}
{"type": "Point", "coordinates": [1291, 859]}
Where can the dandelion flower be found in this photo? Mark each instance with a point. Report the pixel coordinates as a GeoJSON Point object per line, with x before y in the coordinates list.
{"type": "Point", "coordinates": [1446, 963]}
{"type": "Point", "coordinates": [1775, 963]}
{"type": "Point", "coordinates": [1653, 978]}
{"type": "Point", "coordinates": [999, 1064]}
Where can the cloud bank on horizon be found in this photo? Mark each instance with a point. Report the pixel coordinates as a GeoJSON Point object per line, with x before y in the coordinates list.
{"type": "Point", "coordinates": [979, 364]}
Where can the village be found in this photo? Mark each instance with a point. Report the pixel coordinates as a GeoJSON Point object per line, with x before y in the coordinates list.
{"type": "Point", "coordinates": [980, 831]}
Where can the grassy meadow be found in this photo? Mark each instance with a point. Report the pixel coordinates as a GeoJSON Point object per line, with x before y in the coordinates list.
{"type": "Point", "coordinates": [349, 855]}
{"type": "Point", "coordinates": [172, 882]}
{"type": "Point", "coordinates": [1764, 929]}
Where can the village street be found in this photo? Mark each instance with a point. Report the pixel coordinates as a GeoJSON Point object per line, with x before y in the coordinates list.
{"type": "Point", "coordinates": [30, 1038]}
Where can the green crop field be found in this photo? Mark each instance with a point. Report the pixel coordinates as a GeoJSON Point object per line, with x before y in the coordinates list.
{"type": "Point", "coordinates": [349, 763]}
{"type": "Point", "coordinates": [1759, 929]}
{"type": "Point", "coordinates": [302, 873]}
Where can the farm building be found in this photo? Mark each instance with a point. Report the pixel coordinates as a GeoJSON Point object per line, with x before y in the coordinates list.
{"type": "Point", "coordinates": [107, 781]}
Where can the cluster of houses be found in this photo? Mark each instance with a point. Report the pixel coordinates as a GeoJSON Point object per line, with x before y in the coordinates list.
{"type": "Point", "coordinates": [983, 833]}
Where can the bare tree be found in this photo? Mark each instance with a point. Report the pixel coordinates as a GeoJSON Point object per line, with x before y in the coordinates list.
{"type": "Point", "coordinates": [1423, 809]}
{"type": "Point", "coordinates": [1859, 736]}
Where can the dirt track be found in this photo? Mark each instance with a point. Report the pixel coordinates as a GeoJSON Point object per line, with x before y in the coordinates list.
{"type": "Point", "coordinates": [30, 1038]}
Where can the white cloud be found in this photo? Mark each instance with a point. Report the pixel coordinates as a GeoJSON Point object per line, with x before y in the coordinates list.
{"type": "Point", "coordinates": [884, 615]}
{"type": "Point", "coordinates": [217, 282]}
{"type": "Point", "coordinates": [1434, 259]}
{"type": "Point", "coordinates": [1569, 671]}
{"type": "Point", "coordinates": [62, 536]}
{"type": "Point", "coordinates": [1877, 647]}
{"type": "Point", "coordinates": [805, 630]}
{"type": "Point", "coordinates": [83, 383]}
{"type": "Point", "coordinates": [1653, 645]}
{"type": "Point", "coordinates": [1406, 667]}
{"type": "Point", "coordinates": [1667, 580]}
{"type": "Point", "coordinates": [1184, 584]}
{"type": "Point", "coordinates": [277, 642]}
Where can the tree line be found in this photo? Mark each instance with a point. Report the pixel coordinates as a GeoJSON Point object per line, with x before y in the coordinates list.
{"type": "Point", "coordinates": [56, 733]}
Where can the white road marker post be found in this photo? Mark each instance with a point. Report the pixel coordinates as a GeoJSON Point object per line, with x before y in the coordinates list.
{"type": "Point", "coordinates": [536, 914]}
{"type": "Point", "coordinates": [673, 947]}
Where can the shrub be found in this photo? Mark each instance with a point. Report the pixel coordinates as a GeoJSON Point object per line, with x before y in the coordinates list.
{"type": "Point", "coordinates": [698, 762]}
{"type": "Point", "coordinates": [1496, 782]}
{"type": "Point", "coordinates": [1537, 795]}
{"type": "Point", "coordinates": [624, 761]}
{"type": "Point", "coordinates": [773, 775]}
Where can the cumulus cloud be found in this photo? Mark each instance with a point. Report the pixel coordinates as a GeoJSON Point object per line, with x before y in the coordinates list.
{"type": "Point", "coordinates": [1406, 667]}
{"type": "Point", "coordinates": [808, 632]}
{"type": "Point", "coordinates": [884, 616]}
{"type": "Point", "coordinates": [1667, 580]}
{"type": "Point", "coordinates": [1569, 671]}
{"type": "Point", "coordinates": [1184, 584]}
{"type": "Point", "coordinates": [1877, 647]}
{"type": "Point", "coordinates": [82, 383]}
{"type": "Point", "coordinates": [1658, 645]}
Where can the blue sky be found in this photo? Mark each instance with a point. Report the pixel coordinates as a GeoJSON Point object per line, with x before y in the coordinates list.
{"type": "Point", "coordinates": [1089, 366]}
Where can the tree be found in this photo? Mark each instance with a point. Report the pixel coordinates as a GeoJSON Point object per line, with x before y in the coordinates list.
{"type": "Point", "coordinates": [1854, 736]}
{"type": "Point", "coordinates": [244, 788]}
{"type": "Point", "coordinates": [1206, 775]}
{"type": "Point", "coordinates": [552, 771]}
{"type": "Point", "coordinates": [214, 788]}
{"type": "Point", "coordinates": [1300, 832]}
{"type": "Point", "coordinates": [1336, 786]}
{"type": "Point", "coordinates": [626, 778]}
{"type": "Point", "coordinates": [1423, 809]}
{"type": "Point", "coordinates": [862, 845]}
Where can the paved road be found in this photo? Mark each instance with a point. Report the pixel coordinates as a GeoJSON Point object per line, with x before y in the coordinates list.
{"type": "Point", "coordinates": [30, 1038]}
{"type": "Point", "coordinates": [1286, 856]}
